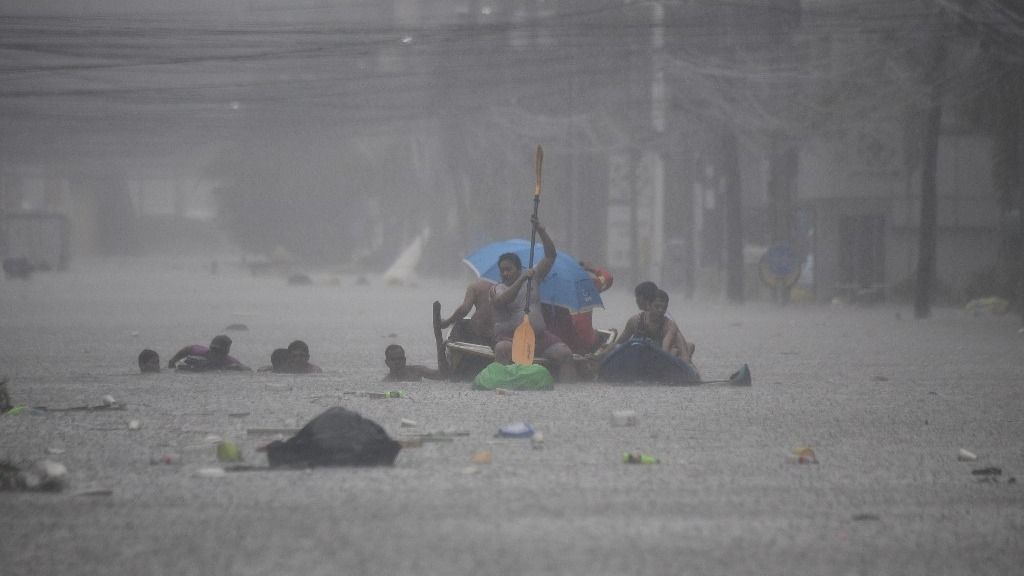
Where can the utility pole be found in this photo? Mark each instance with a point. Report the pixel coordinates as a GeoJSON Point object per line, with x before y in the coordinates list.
{"type": "Point", "coordinates": [929, 192]}
{"type": "Point", "coordinates": [733, 217]}
{"type": "Point", "coordinates": [781, 184]}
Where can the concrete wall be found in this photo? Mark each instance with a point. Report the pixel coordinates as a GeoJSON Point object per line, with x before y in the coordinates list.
{"type": "Point", "coordinates": [852, 175]}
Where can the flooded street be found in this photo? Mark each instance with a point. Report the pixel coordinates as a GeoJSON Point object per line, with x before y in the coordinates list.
{"type": "Point", "coordinates": [885, 401]}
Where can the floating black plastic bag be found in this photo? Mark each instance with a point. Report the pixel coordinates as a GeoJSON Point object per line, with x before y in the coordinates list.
{"type": "Point", "coordinates": [337, 437]}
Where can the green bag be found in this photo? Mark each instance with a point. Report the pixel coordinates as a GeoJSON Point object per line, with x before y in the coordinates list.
{"type": "Point", "coordinates": [514, 377]}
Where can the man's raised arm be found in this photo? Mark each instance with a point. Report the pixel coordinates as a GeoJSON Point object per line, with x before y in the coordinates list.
{"type": "Point", "coordinates": [550, 253]}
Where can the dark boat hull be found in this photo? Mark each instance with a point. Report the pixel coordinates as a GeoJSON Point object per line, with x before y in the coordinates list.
{"type": "Point", "coordinates": [642, 361]}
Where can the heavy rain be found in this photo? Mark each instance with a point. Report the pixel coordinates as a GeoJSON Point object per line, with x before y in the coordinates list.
{"type": "Point", "coordinates": [827, 193]}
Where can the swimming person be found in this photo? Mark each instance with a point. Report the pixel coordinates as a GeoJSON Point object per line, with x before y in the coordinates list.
{"type": "Point", "coordinates": [200, 358]}
{"type": "Point", "coordinates": [399, 371]}
{"type": "Point", "coordinates": [149, 361]}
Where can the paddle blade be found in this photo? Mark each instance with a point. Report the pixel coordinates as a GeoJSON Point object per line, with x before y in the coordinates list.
{"type": "Point", "coordinates": [523, 341]}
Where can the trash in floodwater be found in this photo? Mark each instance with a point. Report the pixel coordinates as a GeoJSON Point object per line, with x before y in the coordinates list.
{"type": "Point", "coordinates": [406, 423]}
{"type": "Point", "coordinates": [515, 430]}
{"type": "Point", "coordinates": [281, 431]}
{"type": "Point", "coordinates": [212, 472]}
{"type": "Point", "coordinates": [537, 441]}
{"type": "Point", "coordinates": [638, 458]}
{"type": "Point", "coordinates": [388, 394]}
{"type": "Point", "coordinates": [134, 424]}
{"type": "Point", "coordinates": [44, 475]}
{"type": "Point", "coordinates": [990, 471]}
{"type": "Point", "coordinates": [965, 456]}
{"type": "Point", "coordinates": [227, 451]}
{"type": "Point", "coordinates": [866, 517]}
{"type": "Point", "coordinates": [991, 305]}
{"type": "Point", "coordinates": [337, 437]}
{"type": "Point", "coordinates": [167, 459]}
{"type": "Point", "coordinates": [446, 435]}
{"type": "Point", "coordinates": [482, 457]}
{"type": "Point", "coordinates": [803, 455]}
{"type": "Point", "coordinates": [623, 418]}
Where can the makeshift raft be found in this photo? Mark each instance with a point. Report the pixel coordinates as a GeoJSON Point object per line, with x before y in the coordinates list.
{"type": "Point", "coordinates": [466, 359]}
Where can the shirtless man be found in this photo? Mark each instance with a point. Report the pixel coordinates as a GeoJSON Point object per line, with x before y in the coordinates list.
{"type": "Point", "coordinates": [298, 359]}
{"type": "Point", "coordinates": [199, 358]}
{"type": "Point", "coordinates": [278, 361]}
{"type": "Point", "coordinates": [399, 371]}
{"type": "Point", "coordinates": [478, 329]}
{"type": "Point", "coordinates": [509, 301]}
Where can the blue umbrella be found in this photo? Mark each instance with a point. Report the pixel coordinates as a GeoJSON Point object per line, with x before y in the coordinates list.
{"type": "Point", "coordinates": [567, 285]}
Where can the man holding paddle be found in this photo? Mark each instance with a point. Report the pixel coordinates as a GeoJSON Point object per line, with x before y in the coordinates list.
{"type": "Point", "coordinates": [513, 300]}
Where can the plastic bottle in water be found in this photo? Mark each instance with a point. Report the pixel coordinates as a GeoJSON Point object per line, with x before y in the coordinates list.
{"type": "Point", "coordinates": [638, 458]}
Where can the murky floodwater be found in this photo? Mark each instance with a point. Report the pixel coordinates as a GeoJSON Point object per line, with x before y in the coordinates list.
{"type": "Point", "coordinates": [885, 401]}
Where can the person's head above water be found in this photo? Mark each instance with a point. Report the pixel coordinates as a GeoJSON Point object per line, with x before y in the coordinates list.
{"type": "Point", "coordinates": [279, 359]}
{"type": "Point", "coordinates": [645, 293]}
{"type": "Point", "coordinates": [299, 347]}
{"type": "Point", "coordinates": [220, 346]}
{"type": "Point", "coordinates": [394, 357]}
{"type": "Point", "coordinates": [298, 352]}
{"type": "Point", "coordinates": [221, 343]}
{"type": "Point", "coordinates": [149, 361]}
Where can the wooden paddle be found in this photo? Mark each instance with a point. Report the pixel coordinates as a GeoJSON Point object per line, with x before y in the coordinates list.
{"type": "Point", "coordinates": [524, 340]}
{"type": "Point", "coordinates": [442, 358]}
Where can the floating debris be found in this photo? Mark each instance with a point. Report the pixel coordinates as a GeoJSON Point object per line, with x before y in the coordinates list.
{"type": "Point", "coordinates": [537, 442]}
{"type": "Point", "coordinates": [866, 518]}
{"type": "Point", "coordinates": [227, 451]}
{"type": "Point", "coordinates": [638, 458]}
{"type": "Point", "coordinates": [623, 418]}
{"type": "Point", "coordinates": [803, 455]}
{"type": "Point", "coordinates": [965, 456]}
{"type": "Point", "coordinates": [515, 430]}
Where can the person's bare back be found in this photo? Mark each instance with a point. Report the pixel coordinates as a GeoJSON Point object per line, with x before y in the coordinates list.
{"type": "Point", "coordinates": [477, 299]}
